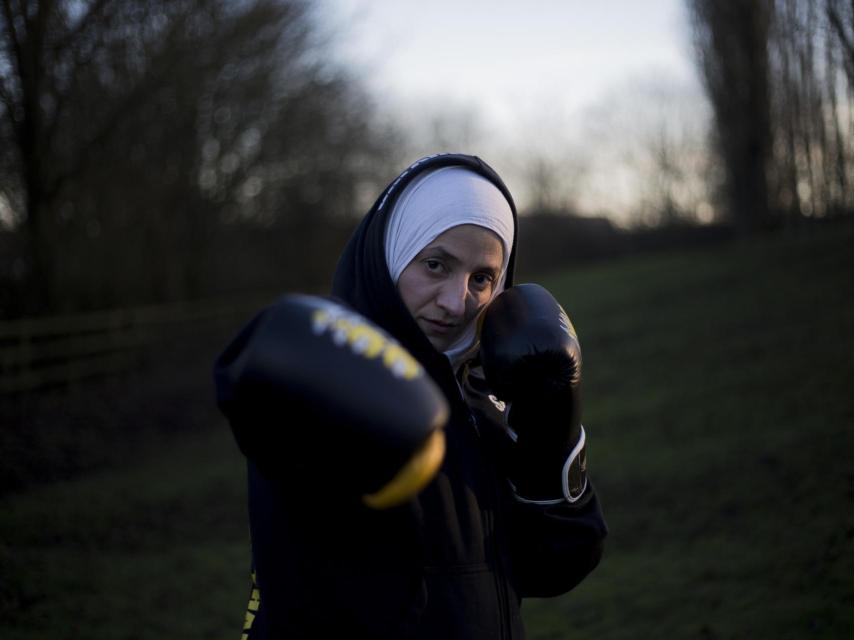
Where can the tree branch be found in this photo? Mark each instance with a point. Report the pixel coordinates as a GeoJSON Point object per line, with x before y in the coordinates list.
{"type": "Point", "coordinates": [847, 44]}
{"type": "Point", "coordinates": [82, 25]}
{"type": "Point", "coordinates": [6, 99]}
{"type": "Point", "coordinates": [11, 34]}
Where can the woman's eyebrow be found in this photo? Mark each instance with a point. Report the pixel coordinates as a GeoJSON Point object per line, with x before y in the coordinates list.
{"type": "Point", "coordinates": [438, 251]}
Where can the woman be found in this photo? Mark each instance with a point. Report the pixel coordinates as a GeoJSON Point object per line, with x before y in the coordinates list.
{"type": "Point", "coordinates": [453, 562]}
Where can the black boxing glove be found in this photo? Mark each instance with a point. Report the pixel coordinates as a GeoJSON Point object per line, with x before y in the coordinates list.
{"type": "Point", "coordinates": [532, 361]}
{"type": "Point", "coordinates": [327, 404]}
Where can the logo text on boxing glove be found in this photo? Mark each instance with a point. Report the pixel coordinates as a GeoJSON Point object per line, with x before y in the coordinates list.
{"type": "Point", "coordinates": [353, 330]}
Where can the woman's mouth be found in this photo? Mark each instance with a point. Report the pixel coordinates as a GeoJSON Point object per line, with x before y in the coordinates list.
{"type": "Point", "coordinates": [438, 326]}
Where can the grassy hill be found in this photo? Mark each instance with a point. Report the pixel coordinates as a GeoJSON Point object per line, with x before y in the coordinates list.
{"type": "Point", "coordinates": [719, 408]}
{"type": "Point", "coordinates": [721, 416]}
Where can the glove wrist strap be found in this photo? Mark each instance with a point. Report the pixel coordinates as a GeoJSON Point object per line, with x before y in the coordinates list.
{"type": "Point", "coordinates": [573, 477]}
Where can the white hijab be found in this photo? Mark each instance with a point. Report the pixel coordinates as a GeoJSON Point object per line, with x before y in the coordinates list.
{"type": "Point", "coordinates": [435, 202]}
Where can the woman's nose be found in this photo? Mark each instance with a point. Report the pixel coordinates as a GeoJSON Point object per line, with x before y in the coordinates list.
{"type": "Point", "coordinates": [452, 296]}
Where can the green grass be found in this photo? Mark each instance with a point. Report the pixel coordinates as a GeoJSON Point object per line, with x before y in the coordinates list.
{"type": "Point", "coordinates": [719, 408]}
{"type": "Point", "coordinates": [158, 549]}
{"type": "Point", "coordinates": [720, 411]}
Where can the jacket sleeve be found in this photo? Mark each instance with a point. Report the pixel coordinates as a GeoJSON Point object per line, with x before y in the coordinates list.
{"type": "Point", "coordinates": [330, 568]}
{"type": "Point", "coordinates": [553, 547]}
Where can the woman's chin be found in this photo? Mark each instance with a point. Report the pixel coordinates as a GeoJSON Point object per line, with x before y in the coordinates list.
{"type": "Point", "coordinates": [440, 343]}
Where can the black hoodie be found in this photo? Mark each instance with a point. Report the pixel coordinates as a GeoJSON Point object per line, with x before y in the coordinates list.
{"type": "Point", "coordinates": [454, 562]}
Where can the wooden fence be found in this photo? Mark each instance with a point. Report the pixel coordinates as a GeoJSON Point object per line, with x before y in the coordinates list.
{"type": "Point", "coordinates": [42, 352]}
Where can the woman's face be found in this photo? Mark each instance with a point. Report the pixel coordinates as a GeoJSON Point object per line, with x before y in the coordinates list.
{"type": "Point", "coordinates": [451, 280]}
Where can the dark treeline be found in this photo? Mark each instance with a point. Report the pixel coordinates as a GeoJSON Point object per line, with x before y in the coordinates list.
{"type": "Point", "coordinates": [553, 240]}
{"type": "Point", "coordinates": [161, 150]}
{"type": "Point", "coordinates": [780, 77]}
{"type": "Point", "coordinates": [154, 151]}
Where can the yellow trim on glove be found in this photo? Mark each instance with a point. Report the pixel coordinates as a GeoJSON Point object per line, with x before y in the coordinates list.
{"type": "Point", "coordinates": [413, 476]}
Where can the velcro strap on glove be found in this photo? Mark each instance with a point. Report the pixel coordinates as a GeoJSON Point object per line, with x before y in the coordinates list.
{"type": "Point", "coordinates": [573, 476]}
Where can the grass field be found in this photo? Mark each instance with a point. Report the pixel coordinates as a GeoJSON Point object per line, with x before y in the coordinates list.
{"type": "Point", "coordinates": [719, 408]}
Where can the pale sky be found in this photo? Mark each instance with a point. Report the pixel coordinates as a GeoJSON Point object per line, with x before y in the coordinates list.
{"type": "Point", "coordinates": [504, 55]}
{"type": "Point", "coordinates": [528, 70]}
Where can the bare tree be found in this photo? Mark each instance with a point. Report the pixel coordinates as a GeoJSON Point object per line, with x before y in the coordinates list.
{"type": "Point", "coordinates": [731, 41]}
{"type": "Point", "coordinates": [779, 76]}
{"type": "Point", "coordinates": [651, 164]}
{"type": "Point", "coordinates": [156, 135]}
{"type": "Point", "coordinates": [811, 84]}
{"type": "Point", "coordinates": [840, 52]}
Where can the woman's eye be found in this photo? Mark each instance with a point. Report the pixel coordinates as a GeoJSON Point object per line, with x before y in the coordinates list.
{"type": "Point", "coordinates": [481, 281]}
{"type": "Point", "coordinates": [432, 265]}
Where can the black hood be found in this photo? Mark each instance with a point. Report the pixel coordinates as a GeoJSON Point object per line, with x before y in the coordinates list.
{"type": "Point", "coordinates": [362, 279]}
